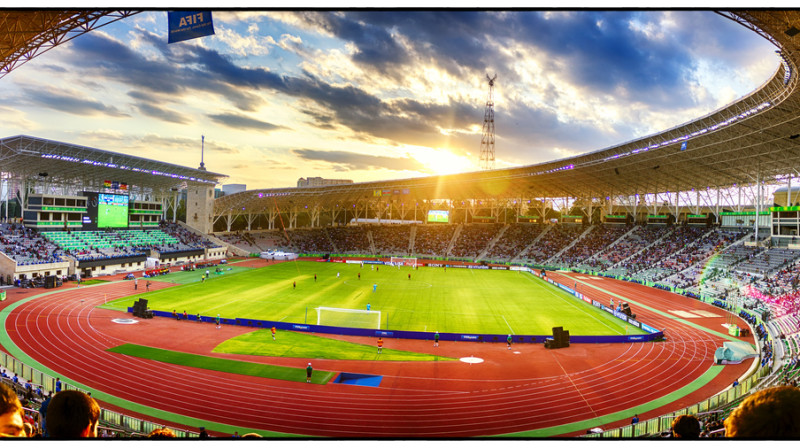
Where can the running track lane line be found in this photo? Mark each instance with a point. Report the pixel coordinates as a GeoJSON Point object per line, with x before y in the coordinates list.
{"type": "Point", "coordinates": [659, 312]}
{"type": "Point", "coordinates": [168, 419]}
{"type": "Point", "coordinates": [712, 372]}
{"type": "Point", "coordinates": [16, 352]}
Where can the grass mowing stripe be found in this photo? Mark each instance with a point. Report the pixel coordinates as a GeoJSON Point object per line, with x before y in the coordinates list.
{"type": "Point", "coordinates": [455, 301]}
{"type": "Point", "coordinates": [554, 431]}
{"type": "Point", "coordinates": [292, 344]}
{"type": "Point", "coordinates": [223, 365]}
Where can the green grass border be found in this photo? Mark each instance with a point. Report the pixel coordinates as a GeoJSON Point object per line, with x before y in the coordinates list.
{"type": "Point", "coordinates": [223, 365]}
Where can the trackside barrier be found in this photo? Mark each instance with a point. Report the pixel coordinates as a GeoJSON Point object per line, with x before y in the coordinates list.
{"type": "Point", "coordinates": [108, 418]}
{"type": "Point", "coordinates": [403, 334]}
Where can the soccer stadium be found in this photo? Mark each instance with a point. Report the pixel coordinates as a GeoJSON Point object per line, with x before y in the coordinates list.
{"type": "Point", "coordinates": [603, 295]}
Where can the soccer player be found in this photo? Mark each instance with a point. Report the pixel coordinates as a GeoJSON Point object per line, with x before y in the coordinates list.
{"type": "Point", "coordinates": [359, 276]}
{"type": "Point", "coordinates": [508, 340]}
{"type": "Point", "coordinates": [219, 322]}
{"type": "Point", "coordinates": [337, 275]}
{"type": "Point", "coordinates": [409, 276]}
{"type": "Point", "coordinates": [436, 339]}
{"type": "Point", "coordinates": [309, 370]}
{"type": "Point", "coordinates": [273, 333]}
{"type": "Point", "coordinates": [368, 307]}
{"type": "Point", "coordinates": [315, 277]}
{"type": "Point", "coordinates": [380, 344]}
{"type": "Point", "coordinates": [294, 285]}
{"type": "Point", "coordinates": [374, 287]}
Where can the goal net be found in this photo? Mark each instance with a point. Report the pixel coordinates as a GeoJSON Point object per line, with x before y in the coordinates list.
{"type": "Point", "coordinates": [345, 317]}
{"type": "Point", "coordinates": [403, 261]}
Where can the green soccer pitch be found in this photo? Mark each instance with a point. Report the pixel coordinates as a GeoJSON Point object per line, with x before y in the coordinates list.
{"type": "Point", "coordinates": [451, 301]}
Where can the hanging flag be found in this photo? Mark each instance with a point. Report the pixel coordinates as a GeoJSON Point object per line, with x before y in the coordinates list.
{"type": "Point", "coordinates": [185, 25]}
{"type": "Point", "coordinates": [107, 183]}
{"type": "Point", "coordinates": [683, 145]}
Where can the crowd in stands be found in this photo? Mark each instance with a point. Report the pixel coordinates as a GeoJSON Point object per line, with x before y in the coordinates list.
{"type": "Point", "coordinates": [242, 240]}
{"type": "Point", "coordinates": [187, 240]}
{"type": "Point", "coordinates": [474, 239]}
{"type": "Point", "coordinates": [552, 241]}
{"type": "Point", "coordinates": [26, 246]}
{"type": "Point", "coordinates": [513, 241]}
{"type": "Point", "coordinates": [392, 240]}
{"type": "Point", "coordinates": [308, 241]}
{"type": "Point", "coordinates": [433, 240]}
{"type": "Point", "coordinates": [350, 239]}
{"type": "Point", "coordinates": [595, 242]}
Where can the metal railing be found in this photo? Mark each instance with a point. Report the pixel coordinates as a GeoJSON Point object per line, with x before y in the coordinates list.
{"type": "Point", "coordinates": [109, 419]}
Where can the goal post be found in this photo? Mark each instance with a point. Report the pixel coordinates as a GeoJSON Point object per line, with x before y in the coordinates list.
{"type": "Point", "coordinates": [403, 261]}
{"type": "Point", "coordinates": [347, 317]}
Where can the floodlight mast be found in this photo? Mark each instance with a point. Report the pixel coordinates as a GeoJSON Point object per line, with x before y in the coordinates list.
{"type": "Point", "coordinates": [487, 140]}
{"type": "Point", "coordinates": [202, 150]}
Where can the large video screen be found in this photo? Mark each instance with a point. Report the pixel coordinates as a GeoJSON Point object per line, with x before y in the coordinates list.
{"type": "Point", "coordinates": [112, 210]}
{"type": "Point", "coordinates": [438, 216]}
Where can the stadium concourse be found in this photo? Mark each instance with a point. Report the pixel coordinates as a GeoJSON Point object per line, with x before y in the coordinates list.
{"type": "Point", "coordinates": [658, 222]}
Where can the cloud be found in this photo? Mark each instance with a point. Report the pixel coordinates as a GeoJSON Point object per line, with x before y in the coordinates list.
{"type": "Point", "coordinates": [347, 161]}
{"type": "Point", "coordinates": [242, 122]}
{"type": "Point", "coordinates": [77, 105]}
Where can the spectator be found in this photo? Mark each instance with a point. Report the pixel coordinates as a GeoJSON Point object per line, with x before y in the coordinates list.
{"type": "Point", "coordinates": [72, 415]}
{"type": "Point", "coordinates": [686, 427]}
{"type": "Point", "coordinates": [772, 413]}
{"type": "Point", "coordinates": [11, 422]}
{"type": "Point", "coordinates": [161, 433]}
{"type": "Point", "coordinates": [43, 413]}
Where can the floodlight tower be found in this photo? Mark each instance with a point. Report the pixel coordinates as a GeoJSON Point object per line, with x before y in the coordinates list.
{"type": "Point", "coordinates": [202, 150]}
{"type": "Point", "coordinates": [487, 141]}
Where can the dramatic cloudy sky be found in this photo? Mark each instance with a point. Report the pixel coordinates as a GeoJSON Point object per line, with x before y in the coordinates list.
{"type": "Point", "coordinates": [371, 95]}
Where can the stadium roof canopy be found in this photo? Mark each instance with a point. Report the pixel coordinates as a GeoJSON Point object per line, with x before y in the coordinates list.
{"type": "Point", "coordinates": [67, 164]}
{"type": "Point", "coordinates": [756, 138]}
{"type": "Point", "coordinates": [25, 34]}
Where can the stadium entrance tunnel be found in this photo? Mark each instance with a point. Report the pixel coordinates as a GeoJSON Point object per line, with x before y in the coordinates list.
{"type": "Point", "coordinates": [359, 379]}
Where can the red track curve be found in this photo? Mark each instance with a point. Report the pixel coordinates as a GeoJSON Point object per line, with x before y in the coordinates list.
{"type": "Point", "coordinates": [523, 389]}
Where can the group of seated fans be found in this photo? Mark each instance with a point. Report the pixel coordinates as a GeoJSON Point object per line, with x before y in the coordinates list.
{"type": "Point", "coordinates": [26, 246]}
{"type": "Point", "coordinates": [29, 246]}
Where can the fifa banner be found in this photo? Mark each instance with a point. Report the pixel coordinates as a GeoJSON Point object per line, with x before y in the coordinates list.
{"type": "Point", "coordinates": [185, 25]}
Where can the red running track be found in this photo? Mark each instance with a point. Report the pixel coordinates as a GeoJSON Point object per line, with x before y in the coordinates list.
{"type": "Point", "coordinates": [523, 389]}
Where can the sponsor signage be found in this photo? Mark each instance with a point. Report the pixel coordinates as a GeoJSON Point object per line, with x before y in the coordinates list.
{"type": "Point", "coordinates": [634, 322]}
{"type": "Point", "coordinates": [648, 328]}
{"type": "Point", "coordinates": [185, 25]}
{"type": "Point", "coordinates": [384, 333]}
{"type": "Point", "coordinates": [301, 327]}
{"type": "Point", "coordinates": [620, 315]}
{"type": "Point", "coordinates": [469, 337]}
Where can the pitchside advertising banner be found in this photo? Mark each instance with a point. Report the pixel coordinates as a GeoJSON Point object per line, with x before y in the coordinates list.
{"type": "Point", "coordinates": [185, 25]}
